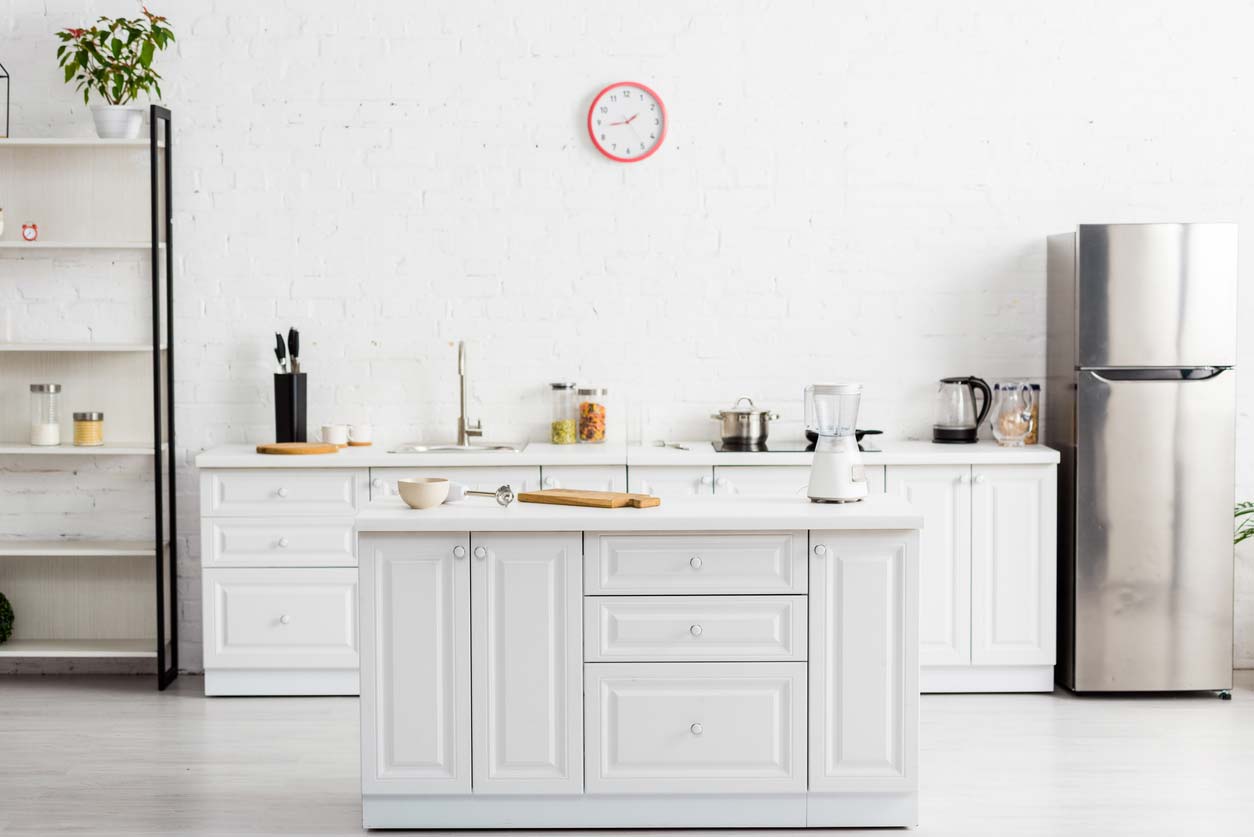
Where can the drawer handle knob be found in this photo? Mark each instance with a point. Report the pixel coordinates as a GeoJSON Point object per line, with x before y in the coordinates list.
{"type": "Point", "coordinates": [283, 543]}
{"type": "Point", "coordinates": [549, 482]}
{"type": "Point", "coordinates": [284, 619]}
{"type": "Point", "coordinates": [695, 630]}
{"type": "Point", "coordinates": [480, 553]}
{"type": "Point", "coordinates": [459, 552]}
{"type": "Point", "coordinates": [820, 549]}
{"type": "Point", "coordinates": [378, 483]}
{"type": "Point", "coordinates": [282, 492]}
{"type": "Point", "coordinates": [695, 562]}
{"type": "Point", "coordinates": [979, 478]}
{"type": "Point", "coordinates": [696, 729]}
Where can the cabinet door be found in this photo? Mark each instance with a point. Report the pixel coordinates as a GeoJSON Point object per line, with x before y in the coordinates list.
{"type": "Point", "coordinates": [1013, 564]}
{"type": "Point", "coordinates": [779, 480]}
{"type": "Point", "coordinates": [585, 477]}
{"type": "Point", "coordinates": [864, 665]}
{"type": "Point", "coordinates": [415, 663]}
{"type": "Point", "coordinates": [527, 641]}
{"type": "Point", "coordinates": [671, 480]}
{"type": "Point", "coordinates": [942, 493]}
{"type": "Point", "coordinates": [483, 478]}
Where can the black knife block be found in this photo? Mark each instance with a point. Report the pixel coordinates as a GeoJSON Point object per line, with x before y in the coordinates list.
{"type": "Point", "coordinates": [289, 407]}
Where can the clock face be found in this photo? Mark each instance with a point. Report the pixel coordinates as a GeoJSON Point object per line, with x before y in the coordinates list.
{"type": "Point", "coordinates": [627, 122]}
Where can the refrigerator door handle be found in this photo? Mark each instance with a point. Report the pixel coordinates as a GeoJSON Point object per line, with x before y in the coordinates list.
{"type": "Point", "coordinates": [1183, 373]}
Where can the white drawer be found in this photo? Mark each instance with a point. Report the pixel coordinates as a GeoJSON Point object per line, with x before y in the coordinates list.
{"type": "Point", "coordinates": [749, 562]}
{"type": "Point", "coordinates": [659, 628]}
{"type": "Point", "coordinates": [695, 728]}
{"type": "Point", "coordinates": [280, 618]}
{"type": "Point", "coordinates": [280, 542]}
{"type": "Point", "coordinates": [270, 491]}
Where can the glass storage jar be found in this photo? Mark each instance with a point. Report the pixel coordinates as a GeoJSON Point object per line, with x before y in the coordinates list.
{"type": "Point", "coordinates": [45, 414]}
{"type": "Point", "coordinates": [88, 429]}
{"type": "Point", "coordinates": [562, 423]}
{"type": "Point", "coordinates": [592, 410]}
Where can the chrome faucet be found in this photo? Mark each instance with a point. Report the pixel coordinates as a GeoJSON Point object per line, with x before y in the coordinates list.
{"type": "Point", "coordinates": [465, 430]}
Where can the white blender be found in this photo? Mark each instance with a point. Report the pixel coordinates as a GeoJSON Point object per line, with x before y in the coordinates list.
{"type": "Point", "coordinates": [836, 474]}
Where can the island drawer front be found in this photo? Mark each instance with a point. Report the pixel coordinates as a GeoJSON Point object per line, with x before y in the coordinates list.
{"type": "Point", "coordinates": [698, 728]}
{"type": "Point", "coordinates": [694, 628]}
{"type": "Point", "coordinates": [271, 491]}
{"type": "Point", "coordinates": [281, 618]}
{"type": "Point", "coordinates": [278, 542]}
{"type": "Point", "coordinates": [676, 564]}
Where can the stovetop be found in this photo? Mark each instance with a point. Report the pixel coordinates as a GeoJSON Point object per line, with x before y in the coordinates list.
{"type": "Point", "coordinates": [789, 446]}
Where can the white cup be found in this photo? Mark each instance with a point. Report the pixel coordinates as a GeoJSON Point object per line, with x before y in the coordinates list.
{"type": "Point", "coordinates": [335, 434]}
{"type": "Point", "coordinates": [360, 434]}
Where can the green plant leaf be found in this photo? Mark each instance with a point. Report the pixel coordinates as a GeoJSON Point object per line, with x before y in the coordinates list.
{"type": "Point", "coordinates": [145, 55]}
{"type": "Point", "coordinates": [69, 71]}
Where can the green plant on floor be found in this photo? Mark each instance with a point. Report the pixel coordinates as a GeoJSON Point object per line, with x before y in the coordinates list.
{"type": "Point", "coordinates": [114, 58]}
{"type": "Point", "coordinates": [1244, 527]}
{"type": "Point", "coordinates": [6, 619]}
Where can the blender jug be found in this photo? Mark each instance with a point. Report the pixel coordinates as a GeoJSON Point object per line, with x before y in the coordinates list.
{"type": "Point", "coordinates": [957, 418]}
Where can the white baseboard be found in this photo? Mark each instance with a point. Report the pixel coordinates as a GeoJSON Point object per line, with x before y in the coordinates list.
{"type": "Point", "coordinates": [249, 682]}
{"type": "Point", "coordinates": [941, 679]}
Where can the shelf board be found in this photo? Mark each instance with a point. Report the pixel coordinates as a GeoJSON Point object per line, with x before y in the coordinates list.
{"type": "Point", "coordinates": [79, 648]}
{"type": "Point", "coordinates": [107, 449]}
{"type": "Point", "coordinates": [77, 348]}
{"type": "Point", "coordinates": [74, 142]}
{"type": "Point", "coordinates": [75, 548]}
{"type": "Point", "coordinates": [78, 245]}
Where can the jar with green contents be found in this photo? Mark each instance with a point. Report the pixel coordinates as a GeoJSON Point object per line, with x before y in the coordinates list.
{"type": "Point", "coordinates": [563, 424]}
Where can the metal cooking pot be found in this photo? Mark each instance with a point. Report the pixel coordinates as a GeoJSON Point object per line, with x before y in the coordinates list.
{"type": "Point", "coordinates": [745, 425]}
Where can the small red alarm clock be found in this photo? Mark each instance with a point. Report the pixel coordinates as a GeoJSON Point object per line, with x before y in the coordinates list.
{"type": "Point", "coordinates": [30, 232]}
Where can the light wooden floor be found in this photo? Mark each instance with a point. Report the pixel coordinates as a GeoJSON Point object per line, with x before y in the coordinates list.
{"type": "Point", "coordinates": [109, 755]}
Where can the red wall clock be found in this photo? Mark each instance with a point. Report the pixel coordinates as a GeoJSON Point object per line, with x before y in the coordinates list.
{"type": "Point", "coordinates": [627, 122]}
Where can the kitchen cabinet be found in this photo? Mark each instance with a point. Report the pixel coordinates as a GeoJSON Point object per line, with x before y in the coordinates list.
{"type": "Point", "coordinates": [527, 652]}
{"type": "Point", "coordinates": [864, 691]}
{"type": "Point", "coordinates": [671, 480]}
{"type": "Point", "coordinates": [779, 480]}
{"type": "Point", "coordinates": [415, 682]}
{"type": "Point", "coordinates": [486, 478]}
{"type": "Point", "coordinates": [585, 477]}
{"type": "Point", "coordinates": [942, 494]}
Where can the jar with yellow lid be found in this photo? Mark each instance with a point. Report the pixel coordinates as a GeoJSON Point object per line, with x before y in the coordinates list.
{"type": "Point", "coordinates": [88, 429]}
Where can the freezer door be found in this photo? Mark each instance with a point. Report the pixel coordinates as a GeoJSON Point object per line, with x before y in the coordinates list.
{"type": "Point", "coordinates": [1156, 295]}
{"type": "Point", "coordinates": [1153, 548]}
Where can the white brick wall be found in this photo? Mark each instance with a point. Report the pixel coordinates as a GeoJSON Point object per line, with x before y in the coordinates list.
{"type": "Point", "coordinates": [848, 190]}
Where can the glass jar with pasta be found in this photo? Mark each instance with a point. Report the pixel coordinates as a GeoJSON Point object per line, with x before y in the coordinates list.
{"type": "Point", "coordinates": [592, 413]}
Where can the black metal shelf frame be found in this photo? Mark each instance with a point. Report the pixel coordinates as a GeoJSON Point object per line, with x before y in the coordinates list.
{"type": "Point", "coordinates": [164, 457]}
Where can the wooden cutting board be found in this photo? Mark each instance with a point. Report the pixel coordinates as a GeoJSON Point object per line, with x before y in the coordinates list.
{"type": "Point", "coordinates": [589, 499]}
{"type": "Point", "coordinates": [296, 448]}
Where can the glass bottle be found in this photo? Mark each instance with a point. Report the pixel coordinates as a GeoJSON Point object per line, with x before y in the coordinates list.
{"type": "Point", "coordinates": [45, 414]}
{"type": "Point", "coordinates": [592, 413]}
{"type": "Point", "coordinates": [562, 423]}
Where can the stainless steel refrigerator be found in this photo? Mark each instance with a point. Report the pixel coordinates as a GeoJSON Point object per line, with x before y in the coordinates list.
{"type": "Point", "coordinates": [1141, 401]}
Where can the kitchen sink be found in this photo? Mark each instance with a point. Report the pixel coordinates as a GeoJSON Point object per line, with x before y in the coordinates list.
{"type": "Point", "coordinates": [411, 447]}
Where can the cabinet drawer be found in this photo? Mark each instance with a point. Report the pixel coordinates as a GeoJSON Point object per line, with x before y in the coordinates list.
{"type": "Point", "coordinates": [296, 542]}
{"type": "Point", "coordinates": [280, 618]}
{"type": "Point", "coordinates": [750, 562]}
{"type": "Point", "coordinates": [659, 628]}
{"type": "Point", "coordinates": [270, 492]}
{"type": "Point", "coordinates": [693, 728]}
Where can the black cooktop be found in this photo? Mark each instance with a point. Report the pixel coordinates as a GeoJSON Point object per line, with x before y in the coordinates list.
{"type": "Point", "coordinates": [798, 446]}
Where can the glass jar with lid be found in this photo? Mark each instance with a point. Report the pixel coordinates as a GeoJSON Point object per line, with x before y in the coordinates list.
{"type": "Point", "coordinates": [563, 421]}
{"type": "Point", "coordinates": [592, 413]}
{"type": "Point", "coordinates": [45, 414]}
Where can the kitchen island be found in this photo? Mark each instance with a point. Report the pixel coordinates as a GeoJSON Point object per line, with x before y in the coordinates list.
{"type": "Point", "coordinates": [713, 662]}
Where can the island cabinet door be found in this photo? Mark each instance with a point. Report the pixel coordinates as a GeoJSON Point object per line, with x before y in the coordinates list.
{"type": "Point", "coordinates": [527, 652]}
{"type": "Point", "coordinates": [942, 493]}
{"type": "Point", "coordinates": [1013, 564]}
{"type": "Point", "coordinates": [864, 665]}
{"type": "Point", "coordinates": [415, 663]}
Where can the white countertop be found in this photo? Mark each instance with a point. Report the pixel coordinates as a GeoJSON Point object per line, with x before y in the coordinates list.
{"type": "Point", "coordinates": [482, 514]}
{"type": "Point", "coordinates": [701, 453]}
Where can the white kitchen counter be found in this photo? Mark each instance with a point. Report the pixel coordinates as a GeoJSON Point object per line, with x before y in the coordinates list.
{"type": "Point", "coordinates": [702, 453]}
{"type": "Point", "coordinates": [483, 514]}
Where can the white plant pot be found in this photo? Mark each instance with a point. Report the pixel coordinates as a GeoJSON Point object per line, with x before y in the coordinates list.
{"type": "Point", "coordinates": [117, 121]}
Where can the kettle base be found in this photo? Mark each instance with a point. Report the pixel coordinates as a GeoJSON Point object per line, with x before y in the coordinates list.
{"type": "Point", "coordinates": [954, 435]}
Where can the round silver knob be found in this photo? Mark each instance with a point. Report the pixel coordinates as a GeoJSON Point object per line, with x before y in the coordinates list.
{"type": "Point", "coordinates": [696, 729]}
{"type": "Point", "coordinates": [549, 482]}
{"type": "Point", "coordinates": [459, 552]}
{"type": "Point", "coordinates": [378, 483]}
{"type": "Point", "coordinates": [820, 549]}
{"type": "Point", "coordinates": [695, 630]}
{"type": "Point", "coordinates": [481, 553]}
{"type": "Point", "coordinates": [695, 562]}
{"type": "Point", "coordinates": [284, 619]}
{"type": "Point", "coordinates": [707, 480]}
{"type": "Point", "coordinates": [282, 492]}
{"type": "Point", "coordinates": [962, 479]}
{"type": "Point", "coordinates": [283, 543]}
{"type": "Point", "coordinates": [979, 478]}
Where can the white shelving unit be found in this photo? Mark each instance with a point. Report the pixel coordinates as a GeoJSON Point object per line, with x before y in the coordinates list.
{"type": "Point", "coordinates": [88, 593]}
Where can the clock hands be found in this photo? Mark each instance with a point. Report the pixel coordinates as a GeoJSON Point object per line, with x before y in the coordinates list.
{"type": "Point", "coordinates": [626, 121]}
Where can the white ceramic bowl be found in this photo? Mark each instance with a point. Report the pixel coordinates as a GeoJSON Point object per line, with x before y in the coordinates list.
{"type": "Point", "coordinates": [423, 493]}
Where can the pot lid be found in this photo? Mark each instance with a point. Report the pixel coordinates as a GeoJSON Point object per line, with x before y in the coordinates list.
{"type": "Point", "coordinates": [737, 410]}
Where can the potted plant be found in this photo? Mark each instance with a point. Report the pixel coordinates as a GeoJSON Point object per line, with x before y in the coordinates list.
{"type": "Point", "coordinates": [113, 59]}
{"type": "Point", "coordinates": [1244, 526]}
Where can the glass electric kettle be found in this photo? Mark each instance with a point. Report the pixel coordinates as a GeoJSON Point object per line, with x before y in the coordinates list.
{"type": "Point", "coordinates": [957, 419]}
